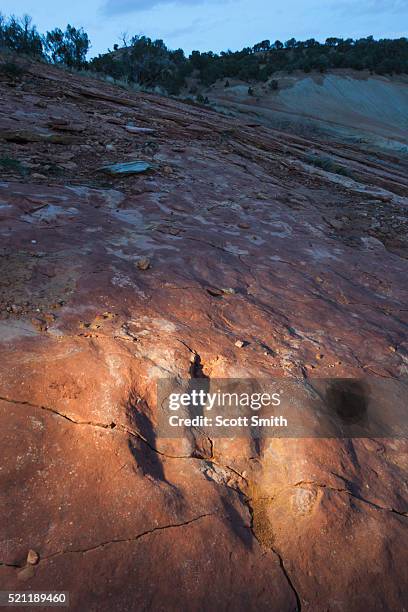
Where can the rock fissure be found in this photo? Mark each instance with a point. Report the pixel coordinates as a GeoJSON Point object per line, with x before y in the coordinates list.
{"type": "Point", "coordinates": [351, 494]}
{"type": "Point", "coordinates": [247, 502]}
{"type": "Point", "coordinates": [125, 540]}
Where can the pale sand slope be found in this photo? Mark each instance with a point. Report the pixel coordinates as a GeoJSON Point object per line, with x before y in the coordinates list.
{"type": "Point", "coordinates": [354, 105]}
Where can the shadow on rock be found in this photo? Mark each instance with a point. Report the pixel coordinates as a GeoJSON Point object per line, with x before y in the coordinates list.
{"type": "Point", "coordinates": [348, 399]}
{"type": "Point", "coordinates": [144, 453]}
{"type": "Point", "coordinates": [242, 531]}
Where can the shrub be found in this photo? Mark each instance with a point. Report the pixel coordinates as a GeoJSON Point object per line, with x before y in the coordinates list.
{"type": "Point", "coordinates": [12, 70]}
{"type": "Point", "coordinates": [12, 165]}
{"type": "Point", "coordinates": [327, 164]}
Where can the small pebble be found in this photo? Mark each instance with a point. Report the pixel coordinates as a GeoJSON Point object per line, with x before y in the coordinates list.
{"type": "Point", "coordinates": [228, 290]}
{"type": "Point", "coordinates": [33, 557]}
{"type": "Point", "coordinates": [143, 264]}
{"type": "Point", "coordinates": [39, 324]}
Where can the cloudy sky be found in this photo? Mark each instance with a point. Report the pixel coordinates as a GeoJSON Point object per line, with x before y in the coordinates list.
{"type": "Point", "coordinates": [217, 24]}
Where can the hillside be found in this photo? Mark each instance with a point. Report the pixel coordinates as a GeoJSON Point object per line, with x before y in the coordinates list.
{"type": "Point", "coordinates": [240, 251]}
{"type": "Point", "coordinates": [344, 105]}
{"type": "Point", "coordinates": [151, 63]}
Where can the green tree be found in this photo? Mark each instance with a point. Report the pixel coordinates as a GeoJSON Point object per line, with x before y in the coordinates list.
{"type": "Point", "coordinates": [265, 45]}
{"type": "Point", "coordinates": [20, 35]}
{"type": "Point", "coordinates": [69, 47]}
{"type": "Point", "coordinates": [290, 44]}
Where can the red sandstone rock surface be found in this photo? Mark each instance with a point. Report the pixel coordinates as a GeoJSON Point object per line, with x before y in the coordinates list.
{"type": "Point", "coordinates": [120, 518]}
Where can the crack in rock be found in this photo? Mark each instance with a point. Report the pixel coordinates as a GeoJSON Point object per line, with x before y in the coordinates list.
{"type": "Point", "coordinates": [362, 499]}
{"type": "Point", "coordinates": [106, 426]}
{"type": "Point", "coordinates": [122, 540]}
{"type": "Point", "coordinates": [247, 502]}
{"type": "Point", "coordinates": [125, 430]}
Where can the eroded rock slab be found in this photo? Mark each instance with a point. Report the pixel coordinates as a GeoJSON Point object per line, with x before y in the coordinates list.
{"type": "Point", "coordinates": [259, 266]}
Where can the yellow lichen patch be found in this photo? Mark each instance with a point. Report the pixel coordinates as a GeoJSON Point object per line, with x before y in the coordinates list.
{"type": "Point", "coordinates": [273, 512]}
{"type": "Point", "coordinates": [261, 524]}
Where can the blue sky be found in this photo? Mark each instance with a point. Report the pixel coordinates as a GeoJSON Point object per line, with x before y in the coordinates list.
{"type": "Point", "coordinates": [217, 24]}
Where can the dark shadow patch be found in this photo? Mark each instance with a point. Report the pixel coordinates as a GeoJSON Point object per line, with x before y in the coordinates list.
{"type": "Point", "coordinates": [197, 371]}
{"type": "Point", "coordinates": [147, 459]}
{"type": "Point", "coordinates": [348, 399]}
{"type": "Point", "coordinates": [217, 293]}
{"type": "Point", "coordinates": [200, 441]}
{"type": "Point", "coordinates": [242, 531]}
